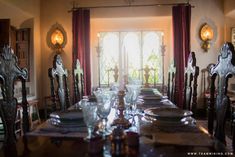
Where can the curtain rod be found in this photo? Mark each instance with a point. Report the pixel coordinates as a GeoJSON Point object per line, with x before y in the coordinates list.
{"type": "Point", "coordinates": [124, 6]}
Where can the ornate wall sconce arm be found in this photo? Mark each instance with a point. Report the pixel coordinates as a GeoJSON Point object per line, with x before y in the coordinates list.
{"type": "Point", "coordinates": [56, 38]}
{"type": "Point", "coordinates": [206, 34]}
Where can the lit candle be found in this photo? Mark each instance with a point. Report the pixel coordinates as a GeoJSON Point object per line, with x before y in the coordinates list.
{"type": "Point", "coordinates": [98, 36]}
{"type": "Point", "coordinates": [126, 62]}
{"type": "Point", "coordinates": [124, 57]}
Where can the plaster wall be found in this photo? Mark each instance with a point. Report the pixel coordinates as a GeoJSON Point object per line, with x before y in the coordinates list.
{"type": "Point", "coordinates": [26, 14]}
{"type": "Point", "coordinates": [48, 12]}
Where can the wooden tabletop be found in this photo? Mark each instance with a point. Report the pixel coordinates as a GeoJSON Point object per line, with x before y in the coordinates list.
{"type": "Point", "coordinates": [45, 147]}
{"type": "Point", "coordinates": [155, 139]}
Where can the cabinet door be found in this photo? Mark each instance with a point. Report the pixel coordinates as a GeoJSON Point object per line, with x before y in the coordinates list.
{"type": "Point", "coordinates": [7, 34]}
{"type": "Point", "coordinates": [13, 38]}
{"type": "Point", "coordinates": [4, 32]}
{"type": "Point", "coordinates": [22, 47]}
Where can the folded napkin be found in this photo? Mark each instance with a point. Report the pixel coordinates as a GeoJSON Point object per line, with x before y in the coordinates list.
{"type": "Point", "coordinates": [147, 90]}
{"type": "Point", "coordinates": [68, 115]}
{"type": "Point", "coordinates": [157, 93]}
{"type": "Point", "coordinates": [48, 130]}
{"type": "Point", "coordinates": [48, 127]}
{"type": "Point", "coordinates": [71, 118]}
{"type": "Point", "coordinates": [159, 104]}
{"type": "Point", "coordinates": [150, 92]}
{"type": "Point", "coordinates": [150, 97]}
{"type": "Point", "coordinates": [183, 138]}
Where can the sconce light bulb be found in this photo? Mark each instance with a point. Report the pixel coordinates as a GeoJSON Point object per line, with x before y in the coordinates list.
{"type": "Point", "coordinates": [57, 37]}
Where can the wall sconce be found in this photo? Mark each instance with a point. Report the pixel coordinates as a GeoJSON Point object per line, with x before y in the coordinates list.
{"type": "Point", "coordinates": [56, 38]}
{"type": "Point", "coordinates": [206, 34]}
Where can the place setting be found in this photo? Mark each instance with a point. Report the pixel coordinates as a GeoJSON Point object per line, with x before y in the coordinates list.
{"type": "Point", "coordinates": [117, 78]}
{"type": "Point", "coordinates": [168, 116]}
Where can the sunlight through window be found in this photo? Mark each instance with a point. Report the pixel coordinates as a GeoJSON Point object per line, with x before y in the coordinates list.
{"type": "Point", "coordinates": [131, 52]}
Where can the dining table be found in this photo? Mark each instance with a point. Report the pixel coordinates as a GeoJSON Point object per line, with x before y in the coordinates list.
{"type": "Point", "coordinates": [153, 137]}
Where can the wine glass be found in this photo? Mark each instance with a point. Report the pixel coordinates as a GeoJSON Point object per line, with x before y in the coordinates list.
{"type": "Point", "coordinates": [82, 102]}
{"type": "Point", "coordinates": [127, 101]}
{"type": "Point", "coordinates": [105, 100]}
{"type": "Point", "coordinates": [90, 117]}
{"type": "Point", "coordinates": [133, 91]}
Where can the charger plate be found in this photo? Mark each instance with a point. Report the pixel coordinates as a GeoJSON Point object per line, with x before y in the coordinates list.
{"type": "Point", "coordinates": [73, 118]}
{"type": "Point", "coordinates": [167, 114]}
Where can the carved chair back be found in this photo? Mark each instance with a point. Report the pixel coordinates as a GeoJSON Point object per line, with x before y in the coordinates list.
{"type": "Point", "coordinates": [223, 70]}
{"type": "Point", "coordinates": [190, 86]}
{"type": "Point", "coordinates": [115, 74]}
{"type": "Point", "coordinates": [206, 80]}
{"type": "Point", "coordinates": [171, 83]}
{"type": "Point", "coordinates": [59, 74]}
{"type": "Point", "coordinates": [9, 73]}
{"type": "Point", "coordinates": [78, 82]}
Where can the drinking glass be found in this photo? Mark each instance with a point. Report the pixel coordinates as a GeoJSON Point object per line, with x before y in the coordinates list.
{"type": "Point", "coordinates": [105, 100]}
{"type": "Point", "coordinates": [90, 117]}
{"type": "Point", "coordinates": [127, 101]}
{"type": "Point", "coordinates": [82, 102]}
{"type": "Point", "coordinates": [131, 97]}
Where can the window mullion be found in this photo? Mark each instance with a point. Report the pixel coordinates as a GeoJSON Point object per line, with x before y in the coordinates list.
{"type": "Point", "coordinates": [141, 57]}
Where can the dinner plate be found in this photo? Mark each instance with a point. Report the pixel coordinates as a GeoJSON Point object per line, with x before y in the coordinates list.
{"type": "Point", "coordinates": [152, 97]}
{"type": "Point", "coordinates": [171, 114]}
{"type": "Point", "coordinates": [183, 121]}
{"type": "Point", "coordinates": [161, 123]}
{"type": "Point", "coordinates": [66, 124]}
{"type": "Point", "coordinates": [67, 115]}
{"type": "Point", "coordinates": [146, 91]}
{"type": "Point", "coordinates": [150, 92]}
{"type": "Point", "coordinates": [73, 118]}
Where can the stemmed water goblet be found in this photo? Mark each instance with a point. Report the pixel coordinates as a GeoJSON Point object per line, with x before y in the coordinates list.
{"type": "Point", "coordinates": [105, 100]}
{"type": "Point", "coordinates": [131, 97]}
{"type": "Point", "coordinates": [90, 117]}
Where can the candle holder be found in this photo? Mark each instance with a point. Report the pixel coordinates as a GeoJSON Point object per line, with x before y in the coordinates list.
{"type": "Point", "coordinates": [121, 121]}
{"type": "Point", "coordinates": [163, 49]}
{"type": "Point", "coordinates": [98, 50]}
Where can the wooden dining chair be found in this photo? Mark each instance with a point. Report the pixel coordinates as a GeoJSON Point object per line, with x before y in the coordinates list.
{"type": "Point", "coordinates": [78, 82]}
{"type": "Point", "coordinates": [58, 74]}
{"type": "Point", "coordinates": [171, 83]}
{"type": "Point", "coordinates": [190, 84]}
{"type": "Point", "coordinates": [206, 84]}
{"type": "Point", "coordinates": [18, 124]}
{"type": "Point", "coordinates": [9, 73]}
{"type": "Point", "coordinates": [223, 70]}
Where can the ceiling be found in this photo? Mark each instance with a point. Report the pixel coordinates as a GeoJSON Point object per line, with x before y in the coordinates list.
{"type": "Point", "coordinates": [16, 15]}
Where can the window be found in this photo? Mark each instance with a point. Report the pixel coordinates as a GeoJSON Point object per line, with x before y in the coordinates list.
{"type": "Point", "coordinates": [131, 52]}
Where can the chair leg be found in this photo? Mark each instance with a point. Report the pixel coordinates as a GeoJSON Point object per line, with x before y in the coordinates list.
{"type": "Point", "coordinates": [232, 120]}
{"type": "Point", "coordinates": [45, 108]}
{"type": "Point", "coordinates": [18, 122]}
{"type": "Point", "coordinates": [1, 131]}
{"type": "Point", "coordinates": [233, 137]}
{"type": "Point", "coordinates": [33, 109]}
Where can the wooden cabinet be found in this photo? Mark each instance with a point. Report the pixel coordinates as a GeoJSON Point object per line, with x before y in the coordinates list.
{"type": "Point", "coordinates": [22, 47]}
{"type": "Point", "coordinates": [18, 39]}
{"type": "Point", "coordinates": [4, 32]}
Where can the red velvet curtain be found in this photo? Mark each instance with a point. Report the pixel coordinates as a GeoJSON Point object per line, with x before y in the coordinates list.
{"type": "Point", "coordinates": [181, 15]}
{"type": "Point", "coordinates": [81, 44]}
